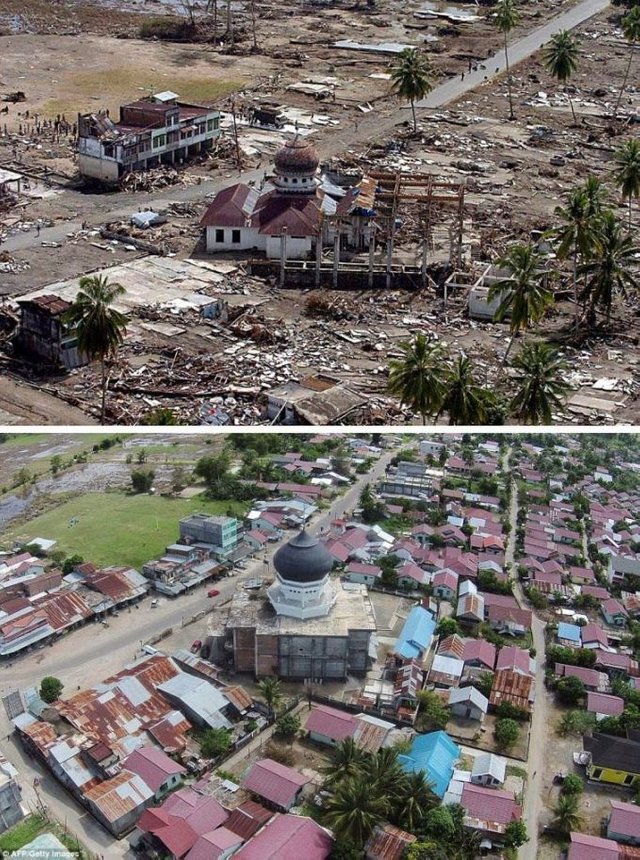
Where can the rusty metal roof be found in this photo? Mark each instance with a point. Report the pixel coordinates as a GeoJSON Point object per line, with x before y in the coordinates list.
{"type": "Point", "coordinates": [388, 843]}
{"type": "Point", "coordinates": [238, 697]}
{"type": "Point", "coordinates": [52, 305]}
{"type": "Point", "coordinates": [118, 796]}
{"type": "Point", "coordinates": [510, 686]}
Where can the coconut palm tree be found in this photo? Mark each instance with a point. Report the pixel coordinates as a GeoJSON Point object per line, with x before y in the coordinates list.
{"type": "Point", "coordinates": [627, 170]}
{"type": "Point", "coordinates": [383, 773]}
{"type": "Point", "coordinates": [271, 692]}
{"type": "Point", "coordinates": [523, 293]}
{"type": "Point", "coordinates": [566, 815]}
{"type": "Point", "coordinates": [347, 763]}
{"type": "Point", "coordinates": [576, 235]}
{"type": "Point", "coordinates": [560, 59]}
{"type": "Point", "coordinates": [100, 328]}
{"type": "Point", "coordinates": [596, 195]}
{"type": "Point", "coordinates": [411, 78]}
{"type": "Point", "coordinates": [610, 270]}
{"type": "Point", "coordinates": [463, 400]}
{"type": "Point", "coordinates": [541, 387]}
{"type": "Point", "coordinates": [631, 30]}
{"type": "Point", "coordinates": [505, 18]}
{"type": "Point", "coordinates": [417, 378]}
{"type": "Point", "coordinates": [354, 810]}
{"type": "Point", "coordinates": [416, 798]}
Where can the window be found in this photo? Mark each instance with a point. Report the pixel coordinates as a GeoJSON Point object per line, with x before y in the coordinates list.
{"type": "Point", "coordinates": [216, 122]}
{"type": "Point", "coordinates": [294, 180]}
{"type": "Point", "coordinates": [210, 125]}
{"type": "Point", "coordinates": [219, 235]}
{"type": "Point", "coordinates": [160, 140]}
{"type": "Point", "coordinates": [596, 773]}
{"type": "Point", "coordinates": [629, 779]}
{"type": "Point", "coordinates": [235, 237]}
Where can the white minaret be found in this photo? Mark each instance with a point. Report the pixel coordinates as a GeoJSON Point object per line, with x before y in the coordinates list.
{"type": "Point", "coordinates": [302, 588]}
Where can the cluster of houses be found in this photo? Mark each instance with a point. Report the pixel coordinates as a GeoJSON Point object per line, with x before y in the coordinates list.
{"type": "Point", "coordinates": [488, 807]}
{"type": "Point", "coordinates": [123, 744]}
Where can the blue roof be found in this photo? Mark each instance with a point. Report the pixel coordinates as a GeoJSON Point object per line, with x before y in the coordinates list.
{"type": "Point", "coordinates": [416, 634]}
{"type": "Point", "coordinates": [569, 631]}
{"type": "Point", "coordinates": [435, 754]}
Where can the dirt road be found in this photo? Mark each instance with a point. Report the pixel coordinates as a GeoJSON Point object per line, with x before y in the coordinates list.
{"type": "Point", "coordinates": [540, 716]}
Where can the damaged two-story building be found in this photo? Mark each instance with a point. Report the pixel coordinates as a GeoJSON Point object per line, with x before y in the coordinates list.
{"type": "Point", "coordinates": [150, 132]}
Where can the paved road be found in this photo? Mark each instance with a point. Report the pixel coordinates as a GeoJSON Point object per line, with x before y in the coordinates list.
{"type": "Point", "coordinates": [87, 655]}
{"type": "Point", "coordinates": [539, 719]}
{"type": "Point", "coordinates": [520, 50]}
{"type": "Point", "coordinates": [95, 209]}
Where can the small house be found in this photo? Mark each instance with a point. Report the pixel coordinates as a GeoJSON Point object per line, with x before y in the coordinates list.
{"type": "Point", "coordinates": [469, 703]}
{"type": "Point", "coordinates": [614, 612]}
{"type": "Point", "coordinates": [623, 824]}
{"type": "Point", "coordinates": [489, 770]}
{"type": "Point", "coordinates": [275, 784]}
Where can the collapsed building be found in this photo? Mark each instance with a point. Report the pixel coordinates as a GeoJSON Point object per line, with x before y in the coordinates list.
{"type": "Point", "coordinates": [150, 132]}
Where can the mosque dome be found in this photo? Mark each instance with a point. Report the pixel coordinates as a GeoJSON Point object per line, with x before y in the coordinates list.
{"type": "Point", "coordinates": [297, 157]}
{"type": "Point", "coordinates": [303, 559]}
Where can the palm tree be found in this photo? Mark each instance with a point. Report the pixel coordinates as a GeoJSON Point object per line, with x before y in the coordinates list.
{"type": "Point", "coordinates": [506, 18]}
{"type": "Point", "coordinates": [627, 171]}
{"type": "Point", "coordinates": [596, 195]}
{"type": "Point", "coordinates": [523, 293]}
{"type": "Point", "coordinates": [383, 772]}
{"type": "Point", "coordinates": [271, 692]}
{"type": "Point", "coordinates": [411, 78]}
{"type": "Point", "coordinates": [540, 380]}
{"type": "Point", "coordinates": [609, 272]}
{"type": "Point", "coordinates": [416, 798]}
{"type": "Point", "coordinates": [566, 816]}
{"type": "Point", "coordinates": [99, 326]}
{"type": "Point", "coordinates": [560, 58]}
{"type": "Point", "coordinates": [354, 810]}
{"type": "Point", "coordinates": [631, 30]}
{"type": "Point", "coordinates": [463, 400]}
{"type": "Point", "coordinates": [577, 234]}
{"type": "Point", "coordinates": [417, 378]}
{"type": "Point", "coordinates": [347, 763]}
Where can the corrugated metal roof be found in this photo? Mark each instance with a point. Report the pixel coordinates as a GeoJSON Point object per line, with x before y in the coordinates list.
{"type": "Point", "coordinates": [247, 818]}
{"type": "Point", "coordinates": [275, 782]}
{"type": "Point", "coordinates": [120, 795]}
{"type": "Point", "coordinates": [510, 686]}
{"type": "Point", "coordinates": [388, 843]}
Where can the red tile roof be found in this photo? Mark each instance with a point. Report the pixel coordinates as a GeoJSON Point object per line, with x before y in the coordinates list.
{"type": "Point", "coordinates": [153, 766]}
{"type": "Point", "coordinates": [247, 818]}
{"type": "Point", "coordinates": [490, 805]}
{"type": "Point", "coordinates": [584, 847]}
{"type": "Point", "coordinates": [625, 819]}
{"type": "Point", "coordinates": [331, 722]}
{"type": "Point", "coordinates": [275, 782]}
{"type": "Point", "coordinates": [601, 703]}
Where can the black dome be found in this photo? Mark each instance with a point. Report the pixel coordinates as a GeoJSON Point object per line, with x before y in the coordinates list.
{"type": "Point", "coordinates": [303, 559]}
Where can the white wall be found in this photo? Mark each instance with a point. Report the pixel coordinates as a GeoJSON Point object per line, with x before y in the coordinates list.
{"type": "Point", "coordinates": [297, 248]}
{"type": "Point", "coordinates": [249, 238]}
{"type": "Point", "coordinates": [98, 168]}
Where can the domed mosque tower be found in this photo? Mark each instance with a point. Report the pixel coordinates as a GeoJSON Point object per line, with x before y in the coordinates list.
{"type": "Point", "coordinates": [302, 588]}
{"type": "Point", "coordinates": [296, 167]}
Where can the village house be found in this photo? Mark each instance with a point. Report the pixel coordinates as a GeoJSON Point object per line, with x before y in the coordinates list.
{"type": "Point", "coordinates": [275, 784]}
{"type": "Point", "coordinates": [150, 131]}
{"type": "Point", "coordinates": [614, 612]}
{"type": "Point", "coordinates": [43, 332]}
{"type": "Point", "coordinates": [488, 770]}
{"type": "Point", "coordinates": [469, 703]}
{"type": "Point", "coordinates": [623, 823]}
{"type": "Point", "coordinates": [612, 759]}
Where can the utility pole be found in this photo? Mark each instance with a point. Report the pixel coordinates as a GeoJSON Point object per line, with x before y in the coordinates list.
{"type": "Point", "coordinates": [235, 135]}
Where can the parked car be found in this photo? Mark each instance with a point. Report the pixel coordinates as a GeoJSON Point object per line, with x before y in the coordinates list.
{"type": "Point", "coordinates": [196, 645]}
{"type": "Point", "coordinates": [213, 592]}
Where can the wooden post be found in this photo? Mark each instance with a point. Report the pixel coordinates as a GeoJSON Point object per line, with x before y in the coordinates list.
{"type": "Point", "coordinates": [392, 227]}
{"type": "Point", "coordinates": [283, 254]}
{"type": "Point", "coordinates": [372, 250]}
{"type": "Point", "coordinates": [425, 243]}
{"type": "Point", "coordinates": [336, 255]}
{"type": "Point", "coordinates": [318, 257]}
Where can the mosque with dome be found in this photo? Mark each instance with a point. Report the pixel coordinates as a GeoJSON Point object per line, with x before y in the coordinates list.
{"type": "Point", "coordinates": [309, 625]}
{"type": "Point", "coordinates": [289, 213]}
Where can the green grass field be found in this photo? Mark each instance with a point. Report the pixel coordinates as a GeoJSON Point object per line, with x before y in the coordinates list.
{"type": "Point", "coordinates": [115, 528]}
{"type": "Point", "coordinates": [32, 826]}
